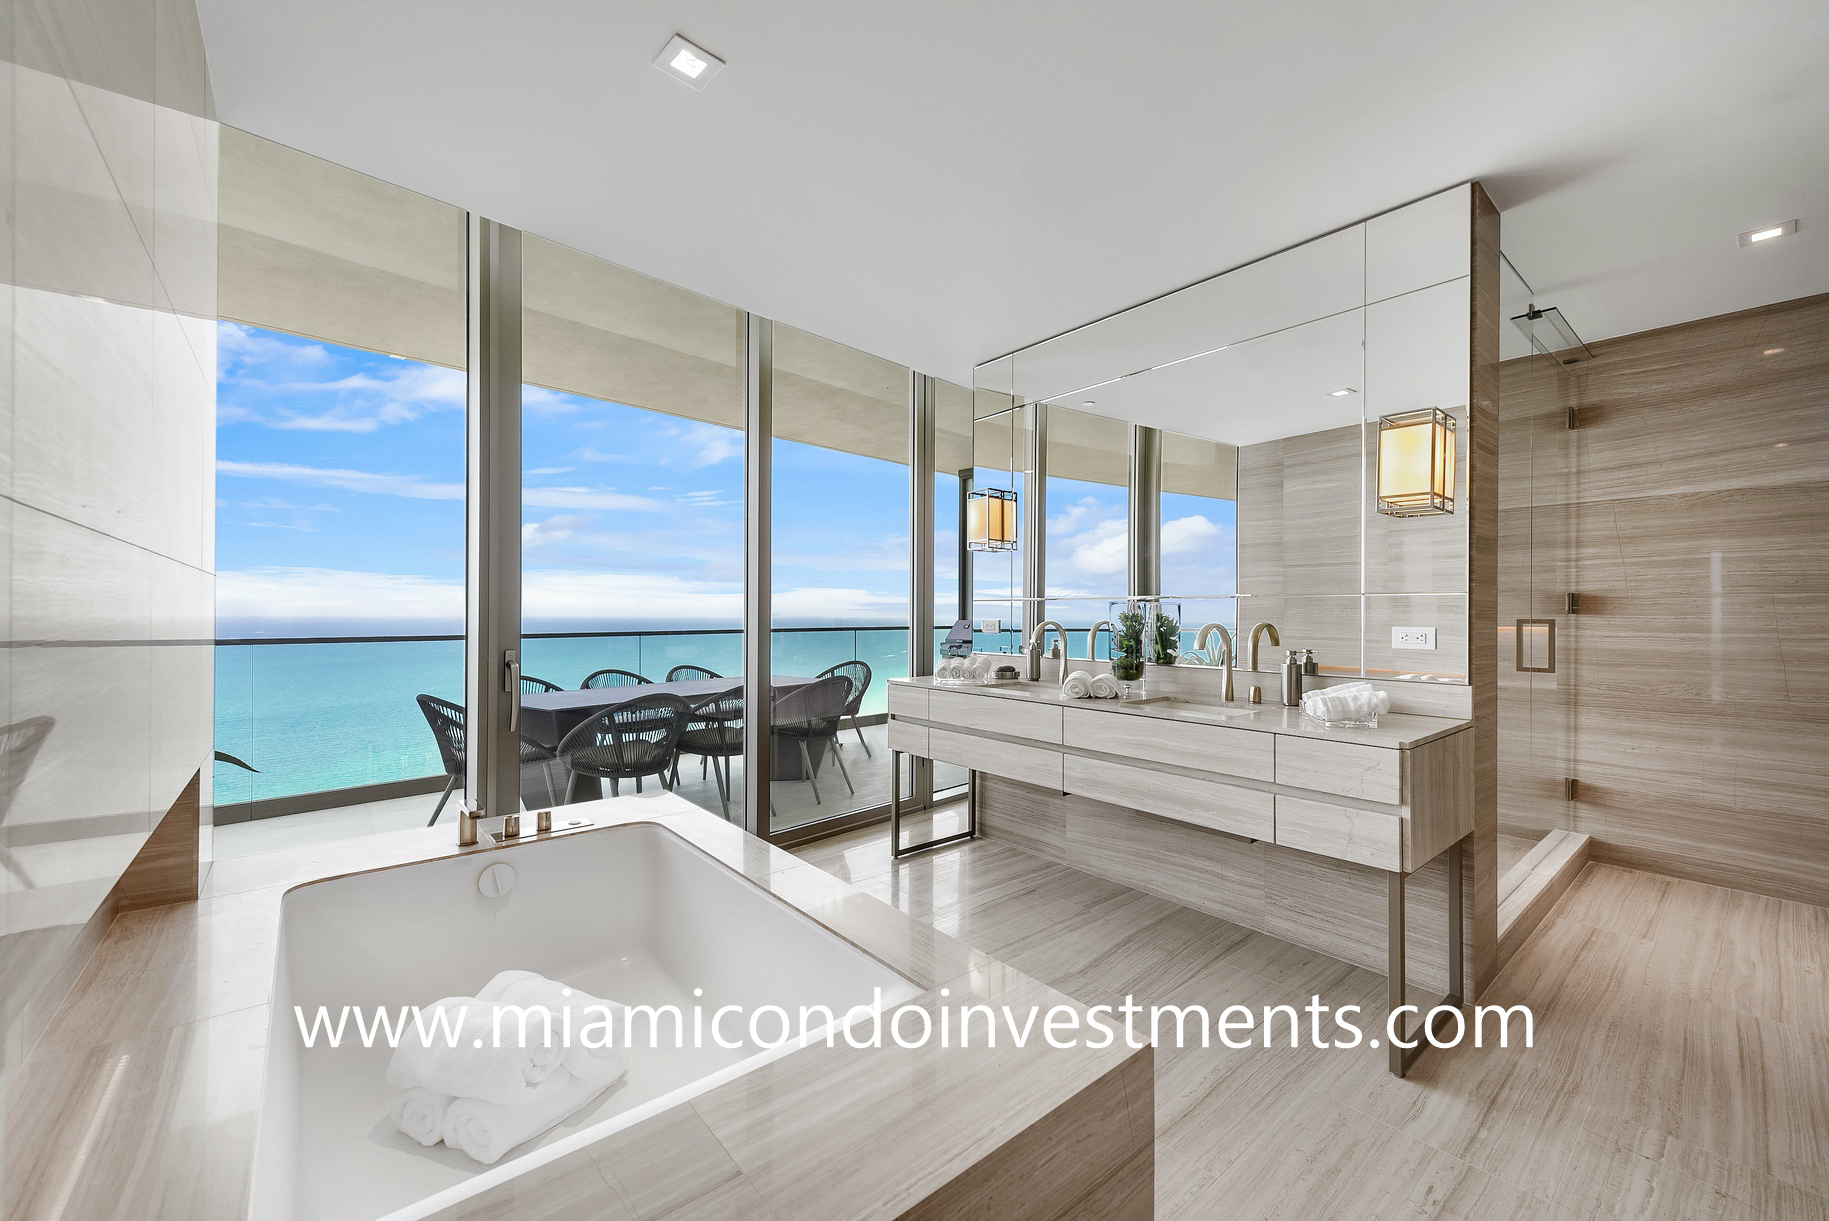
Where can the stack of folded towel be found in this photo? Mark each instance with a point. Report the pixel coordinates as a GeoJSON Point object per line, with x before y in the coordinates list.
{"type": "Point", "coordinates": [1080, 685]}
{"type": "Point", "coordinates": [485, 1099]}
{"type": "Point", "coordinates": [967, 670]}
{"type": "Point", "coordinates": [1348, 702]}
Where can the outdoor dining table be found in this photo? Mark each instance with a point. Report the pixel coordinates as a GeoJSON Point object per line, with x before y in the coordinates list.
{"type": "Point", "coordinates": [547, 717]}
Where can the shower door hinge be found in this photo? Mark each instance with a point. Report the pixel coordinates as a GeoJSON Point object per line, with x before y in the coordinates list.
{"type": "Point", "coordinates": [1574, 418]}
{"type": "Point", "coordinates": [1571, 789]}
{"type": "Point", "coordinates": [1571, 603]}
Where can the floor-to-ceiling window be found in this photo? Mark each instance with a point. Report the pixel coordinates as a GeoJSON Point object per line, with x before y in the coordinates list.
{"type": "Point", "coordinates": [839, 555]}
{"type": "Point", "coordinates": [1197, 539]}
{"type": "Point", "coordinates": [632, 521]}
{"type": "Point", "coordinates": [340, 493]}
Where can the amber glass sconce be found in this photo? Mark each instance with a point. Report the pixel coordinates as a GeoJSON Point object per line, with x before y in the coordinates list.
{"type": "Point", "coordinates": [1416, 463]}
{"type": "Point", "coordinates": [990, 519]}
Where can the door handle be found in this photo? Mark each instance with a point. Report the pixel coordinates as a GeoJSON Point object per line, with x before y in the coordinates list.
{"type": "Point", "coordinates": [1525, 627]}
{"type": "Point", "coordinates": [511, 686]}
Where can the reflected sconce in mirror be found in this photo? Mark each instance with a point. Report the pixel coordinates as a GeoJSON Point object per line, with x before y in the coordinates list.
{"type": "Point", "coordinates": [1416, 463]}
{"type": "Point", "coordinates": [990, 519]}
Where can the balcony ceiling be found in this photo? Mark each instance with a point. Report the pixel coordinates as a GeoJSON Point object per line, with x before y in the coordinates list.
{"type": "Point", "coordinates": [939, 183]}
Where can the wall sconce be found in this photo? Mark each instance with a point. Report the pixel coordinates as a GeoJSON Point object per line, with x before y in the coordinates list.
{"type": "Point", "coordinates": [1416, 463]}
{"type": "Point", "coordinates": [990, 519]}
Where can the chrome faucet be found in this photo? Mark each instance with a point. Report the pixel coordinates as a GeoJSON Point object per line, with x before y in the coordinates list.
{"type": "Point", "coordinates": [1225, 641]}
{"type": "Point", "coordinates": [1092, 638]}
{"type": "Point", "coordinates": [1033, 650]}
{"type": "Point", "coordinates": [1258, 629]}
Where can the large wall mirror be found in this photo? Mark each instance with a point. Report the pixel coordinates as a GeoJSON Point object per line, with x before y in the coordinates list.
{"type": "Point", "coordinates": [1253, 402]}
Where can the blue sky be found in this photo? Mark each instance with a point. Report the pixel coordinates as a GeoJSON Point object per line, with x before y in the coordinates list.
{"type": "Point", "coordinates": [340, 498]}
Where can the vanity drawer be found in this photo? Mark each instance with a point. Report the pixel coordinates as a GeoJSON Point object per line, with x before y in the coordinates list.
{"type": "Point", "coordinates": [1210, 748]}
{"type": "Point", "coordinates": [1203, 803]}
{"type": "Point", "coordinates": [1372, 773]}
{"type": "Point", "coordinates": [908, 701]}
{"type": "Point", "coordinates": [1365, 836]}
{"type": "Point", "coordinates": [1030, 764]}
{"type": "Point", "coordinates": [992, 714]}
{"type": "Point", "coordinates": [907, 738]}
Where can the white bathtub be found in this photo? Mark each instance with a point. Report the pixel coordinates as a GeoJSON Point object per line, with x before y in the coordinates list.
{"type": "Point", "coordinates": [633, 913]}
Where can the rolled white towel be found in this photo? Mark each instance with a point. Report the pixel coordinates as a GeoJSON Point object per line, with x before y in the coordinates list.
{"type": "Point", "coordinates": [1077, 686]}
{"type": "Point", "coordinates": [487, 1130]}
{"type": "Point", "coordinates": [572, 1011]}
{"type": "Point", "coordinates": [420, 1113]}
{"type": "Point", "coordinates": [1104, 687]}
{"type": "Point", "coordinates": [472, 1066]}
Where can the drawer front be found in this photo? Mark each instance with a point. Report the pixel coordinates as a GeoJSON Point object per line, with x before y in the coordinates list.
{"type": "Point", "coordinates": [991, 714]}
{"type": "Point", "coordinates": [1211, 748]}
{"type": "Point", "coordinates": [908, 701]}
{"type": "Point", "coordinates": [1030, 764]}
{"type": "Point", "coordinates": [1364, 836]}
{"type": "Point", "coordinates": [1203, 803]}
{"type": "Point", "coordinates": [910, 739]}
{"type": "Point", "coordinates": [1372, 773]}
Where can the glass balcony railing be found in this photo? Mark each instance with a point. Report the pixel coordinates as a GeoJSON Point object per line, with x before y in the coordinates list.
{"type": "Point", "coordinates": [315, 714]}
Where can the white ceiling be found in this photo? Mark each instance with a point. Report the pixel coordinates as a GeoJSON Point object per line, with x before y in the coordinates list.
{"type": "Point", "coordinates": [942, 182]}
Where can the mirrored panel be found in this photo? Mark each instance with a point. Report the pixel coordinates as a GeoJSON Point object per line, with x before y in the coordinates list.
{"type": "Point", "coordinates": [1265, 387]}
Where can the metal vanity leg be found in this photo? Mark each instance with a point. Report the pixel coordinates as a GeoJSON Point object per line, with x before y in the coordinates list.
{"type": "Point", "coordinates": [1401, 1058]}
{"type": "Point", "coordinates": [896, 851]}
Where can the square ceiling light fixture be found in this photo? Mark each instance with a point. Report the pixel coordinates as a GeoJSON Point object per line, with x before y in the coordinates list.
{"type": "Point", "coordinates": [1754, 236]}
{"type": "Point", "coordinates": [687, 61]}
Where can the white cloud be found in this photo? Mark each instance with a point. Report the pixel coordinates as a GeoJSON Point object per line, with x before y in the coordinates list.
{"type": "Point", "coordinates": [1103, 549]}
{"type": "Point", "coordinates": [1187, 534]}
{"type": "Point", "coordinates": [413, 486]}
{"type": "Point", "coordinates": [1087, 512]}
{"type": "Point", "coordinates": [229, 413]}
{"type": "Point", "coordinates": [541, 401]}
{"type": "Point", "coordinates": [314, 593]}
{"type": "Point", "coordinates": [554, 529]}
{"type": "Point", "coordinates": [328, 593]}
{"type": "Point", "coordinates": [236, 342]}
{"type": "Point", "coordinates": [349, 481]}
{"type": "Point", "coordinates": [711, 444]}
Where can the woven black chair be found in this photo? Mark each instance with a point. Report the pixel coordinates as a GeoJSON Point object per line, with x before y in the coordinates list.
{"type": "Point", "coordinates": [811, 714]}
{"type": "Point", "coordinates": [630, 740]}
{"type": "Point", "coordinates": [715, 734]}
{"type": "Point", "coordinates": [680, 674]}
{"type": "Point", "coordinates": [858, 673]}
{"type": "Point", "coordinates": [537, 686]}
{"type": "Point", "coordinates": [613, 678]}
{"type": "Point", "coordinates": [447, 722]}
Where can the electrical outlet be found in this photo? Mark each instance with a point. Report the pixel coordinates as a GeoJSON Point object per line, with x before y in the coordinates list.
{"type": "Point", "coordinates": [992, 626]}
{"type": "Point", "coordinates": [1413, 638]}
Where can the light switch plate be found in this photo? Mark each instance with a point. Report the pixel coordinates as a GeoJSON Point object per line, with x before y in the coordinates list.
{"type": "Point", "coordinates": [992, 626]}
{"type": "Point", "coordinates": [1413, 638]}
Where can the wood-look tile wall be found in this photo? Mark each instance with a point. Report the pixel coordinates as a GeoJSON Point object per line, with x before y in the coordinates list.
{"type": "Point", "coordinates": [1691, 512]}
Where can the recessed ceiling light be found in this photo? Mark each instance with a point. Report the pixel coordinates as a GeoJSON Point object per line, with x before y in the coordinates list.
{"type": "Point", "coordinates": [1089, 403]}
{"type": "Point", "coordinates": [688, 62]}
{"type": "Point", "coordinates": [1342, 392]}
{"type": "Point", "coordinates": [1768, 233]}
{"type": "Point", "coordinates": [1773, 351]}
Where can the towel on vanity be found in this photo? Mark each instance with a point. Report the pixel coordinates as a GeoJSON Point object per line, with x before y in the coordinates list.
{"type": "Point", "coordinates": [486, 1130]}
{"type": "Point", "coordinates": [420, 1113]}
{"type": "Point", "coordinates": [1077, 686]}
{"type": "Point", "coordinates": [1349, 702]}
{"type": "Point", "coordinates": [1104, 687]}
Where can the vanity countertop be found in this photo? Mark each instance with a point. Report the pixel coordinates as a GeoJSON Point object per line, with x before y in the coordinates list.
{"type": "Point", "coordinates": [1396, 731]}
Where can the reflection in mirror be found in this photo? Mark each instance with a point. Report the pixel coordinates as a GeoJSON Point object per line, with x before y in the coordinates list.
{"type": "Point", "coordinates": [995, 575]}
{"type": "Point", "coordinates": [1085, 543]}
{"type": "Point", "coordinates": [1199, 541]}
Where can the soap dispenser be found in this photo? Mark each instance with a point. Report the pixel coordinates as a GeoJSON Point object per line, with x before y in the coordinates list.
{"type": "Point", "coordinates": [1292, 680]}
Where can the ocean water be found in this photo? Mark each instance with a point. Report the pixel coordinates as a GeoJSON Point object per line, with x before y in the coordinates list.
{"type": "Point", "coordinates": [323, 716]}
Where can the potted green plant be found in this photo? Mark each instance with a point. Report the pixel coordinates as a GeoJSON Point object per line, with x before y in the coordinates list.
{"type": "Point", "coordinates": [1127, 646]}
{"type": "Point", "coordinates": [1168, 639]}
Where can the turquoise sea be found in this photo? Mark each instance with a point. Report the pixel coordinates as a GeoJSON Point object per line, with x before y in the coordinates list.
{"type": "Point", "coordinates": [337, 714]}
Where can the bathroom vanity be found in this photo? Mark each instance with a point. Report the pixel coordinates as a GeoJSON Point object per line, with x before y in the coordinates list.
{"type": "Point", "coordinates": [1248, 779]}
